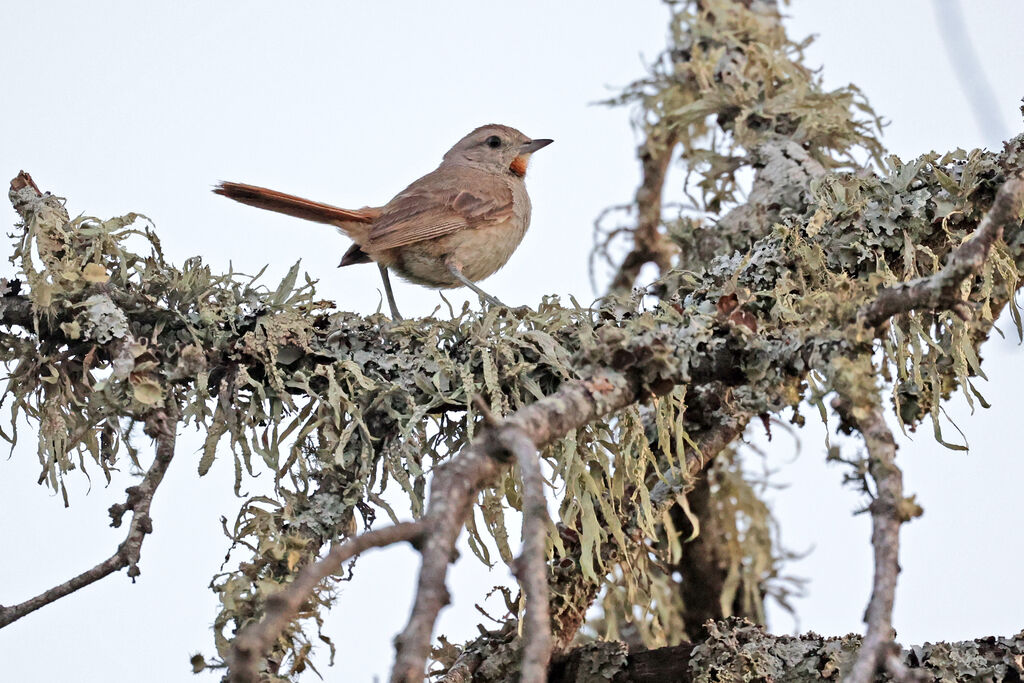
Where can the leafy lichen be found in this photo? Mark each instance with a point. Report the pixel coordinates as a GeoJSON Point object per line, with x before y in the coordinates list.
{"type": "Point", "coordinates": [337, 407]}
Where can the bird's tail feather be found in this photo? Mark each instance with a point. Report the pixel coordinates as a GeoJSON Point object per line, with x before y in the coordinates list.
{"type": "Point", "coordinates": [346, 220]}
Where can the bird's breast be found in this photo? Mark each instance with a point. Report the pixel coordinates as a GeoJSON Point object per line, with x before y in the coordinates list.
{"type": "Point", "coordinates": [485, 249]}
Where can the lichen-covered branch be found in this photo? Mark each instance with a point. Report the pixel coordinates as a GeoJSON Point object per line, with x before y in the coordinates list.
{"type": "Point", "coordinates": [255, 640]}
{"type": "Point", "coordinates": [624, 402]}
{"type": "Point", "coordinates": [362, 394]}
{"type": "Point", "coordinates": [942, 290]}
{"type": "Point", "coordinates": [161, 425]}
{"type": "Point", "coordinates": [795, 259]}
{"type": "Point", "coordinates": [572, 590]}
{"type": "Point", "coordinates": [457, 482]}
{"type": "Point", "coordinates": [735, 650]}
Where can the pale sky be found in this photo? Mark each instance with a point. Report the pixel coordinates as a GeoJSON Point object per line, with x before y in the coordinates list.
{"type": "Point", "coordinates": [143, 107]}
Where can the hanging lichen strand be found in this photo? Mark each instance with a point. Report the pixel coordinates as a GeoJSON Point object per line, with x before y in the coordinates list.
{"type": "Point", "coordinates": [781, 211]}
{"type": "Point", "coordinates": [98, 330]}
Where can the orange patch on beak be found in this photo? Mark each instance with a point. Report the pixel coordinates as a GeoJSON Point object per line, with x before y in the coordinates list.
{"type": "Point", "coordinates": [518, 165]}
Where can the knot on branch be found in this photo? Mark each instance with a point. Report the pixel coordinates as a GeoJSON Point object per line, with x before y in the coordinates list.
{"type": "Point", "coordinates": [116, 513]}
{"type": "Point", "coordinates": [159, 424]}
{"type": "Point", "coordinates": [117, 510]}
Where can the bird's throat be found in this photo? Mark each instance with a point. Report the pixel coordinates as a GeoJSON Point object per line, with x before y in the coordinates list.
{"type": "Point", "coordinates": [518, 165]}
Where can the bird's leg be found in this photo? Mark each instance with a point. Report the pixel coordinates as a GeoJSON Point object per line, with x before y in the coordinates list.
{"type": "Point", "coordinates": [456, 272]}
{"type": "Point", "coordinates": [387, 290]}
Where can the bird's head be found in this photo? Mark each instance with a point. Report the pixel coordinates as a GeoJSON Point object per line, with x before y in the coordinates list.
{"type": "Point", "coordinates": [496, 148]}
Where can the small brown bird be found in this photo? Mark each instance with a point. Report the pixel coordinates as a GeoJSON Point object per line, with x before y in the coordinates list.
{"type": "Point", "coordinates": [453, 227]}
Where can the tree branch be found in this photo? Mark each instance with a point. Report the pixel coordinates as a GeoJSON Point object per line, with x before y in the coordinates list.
{"type": "Point", "coordinates": [454, 488]}
{"type": "Point", "coordinates": [885, 529]}
{"type": "Point", "coordinates": [531, 567]}
{"type": "Point", "coordinates": [710, 444]}
{"type": "Point", "coordinates": [737, 650]}
{"type": "Point", "coordinates": [15, 309]}
{"type": "Point", "coordinates": [859, 408]}
{"type": "Point", "coordinates": [568, 616]}
{"type": "Point", "coordinates": [456, 483]}
{"type": "Point", "coordinates": [649, 244]}
{"type": "Point", "coordinates": [161, 425]}
{"type": "Point", "coordinates": [942, 289]}
{"type": "Point", "coordinates": [254, 642]}
{"type": "Point", "coordinates": [452, 493]}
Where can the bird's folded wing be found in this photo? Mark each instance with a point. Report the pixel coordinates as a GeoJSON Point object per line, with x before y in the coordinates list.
{"type": "Point", "coordinates": [435, 205]}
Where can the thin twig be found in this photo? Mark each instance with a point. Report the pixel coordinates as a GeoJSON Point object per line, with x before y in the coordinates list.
{"type": "Point", "coordinates": [485, 411]}
{"type": "Point", "coordinates": [889, 510]}
{"type": "Point", "coordinates": [649, 244]}
{"type": "Point", "coordinates": [162, 425]}
{"type": "Point", "coordinates": [885, 540]}
{"type": "Point", "coordinates": [942, 289]}
{"type": "Point", "coordinates": [252, 644]}
{"type": "Point", "coordinates": [707, 446]}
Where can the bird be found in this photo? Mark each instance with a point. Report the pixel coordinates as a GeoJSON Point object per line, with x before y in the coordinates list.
{"type": "Point", "coordinates": [453, 227]}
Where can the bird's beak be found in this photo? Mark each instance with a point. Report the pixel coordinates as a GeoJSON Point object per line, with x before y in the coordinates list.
{"type": "Point", "coordinates": [533, 145]}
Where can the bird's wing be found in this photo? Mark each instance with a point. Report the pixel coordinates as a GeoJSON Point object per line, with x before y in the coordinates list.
{"type": "Point", "coordinates": [442, 202]}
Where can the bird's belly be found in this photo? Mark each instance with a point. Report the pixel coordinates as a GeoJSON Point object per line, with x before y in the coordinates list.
{"type": "Point", "coordinates": [479, 251]}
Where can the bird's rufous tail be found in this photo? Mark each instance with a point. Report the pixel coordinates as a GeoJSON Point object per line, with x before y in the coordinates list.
{"type": "Point", "coordinates": [350, 222]}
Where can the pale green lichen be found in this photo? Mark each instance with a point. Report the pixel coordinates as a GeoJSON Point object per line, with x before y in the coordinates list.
{"type": "Point", "coordinates": [791, 259]}
{"type": "Point", "coordinates": [336, 407]}
{"type": "Point", "coordinates": [101, 320]}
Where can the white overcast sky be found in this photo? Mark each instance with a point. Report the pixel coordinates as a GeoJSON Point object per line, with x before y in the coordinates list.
{"type": "Point", "coordinates": [143, 106]}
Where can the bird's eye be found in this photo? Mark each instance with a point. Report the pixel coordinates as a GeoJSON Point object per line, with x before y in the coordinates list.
{"type": "Point", "coordinates": [493, 142]}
